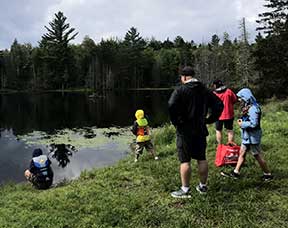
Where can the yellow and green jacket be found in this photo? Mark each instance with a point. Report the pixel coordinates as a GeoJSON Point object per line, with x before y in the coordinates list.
{"type": "Point", "coordinates": [141, 130]}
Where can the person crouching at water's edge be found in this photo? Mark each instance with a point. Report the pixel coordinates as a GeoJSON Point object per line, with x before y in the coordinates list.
{"type": "Point", "coordinates": [40, 173]}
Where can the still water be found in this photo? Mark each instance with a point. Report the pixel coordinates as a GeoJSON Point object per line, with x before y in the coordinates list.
{"type": "Point", "coordinates": [96, 126]}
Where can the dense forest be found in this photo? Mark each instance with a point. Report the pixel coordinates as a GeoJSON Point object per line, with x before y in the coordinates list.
{"type": "Point", "coordinates": [135, 62]}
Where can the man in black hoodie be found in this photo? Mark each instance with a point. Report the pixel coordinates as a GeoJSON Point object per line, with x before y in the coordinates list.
{"type": "Point", "coordinates": [189, 105]}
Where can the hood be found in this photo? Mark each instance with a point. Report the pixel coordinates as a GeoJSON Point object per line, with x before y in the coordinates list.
{"type": "Point", "coordinates": [193, 83]}
{"type": "Point", "coordinates": [37, 152]}
{"type": "Point", "coordinates": [247, 96]}
{"type": "Point", "coordinates": [221, 89]}
{"type": "Point", "coordinates": [139, 114]}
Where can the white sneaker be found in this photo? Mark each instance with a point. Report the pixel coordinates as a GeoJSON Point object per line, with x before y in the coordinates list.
{"type": "Point", "coordinates": [181, 194]}
{"type": "Point", "coordinates": [136, 160]}
{"type": "Point", "coordinates": [156, 158]}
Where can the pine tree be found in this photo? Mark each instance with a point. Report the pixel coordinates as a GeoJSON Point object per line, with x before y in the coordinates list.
{"type": "Point", "coordinates": [272, 51]}
{"type": "Point", "coordinates": [57, 52]}
{"type": "Point", "coordinates": [273, 22]}
{"type": "Point", "coordinates": [2, 69]}
{"type": "Point", "coordinates": [134, 46]}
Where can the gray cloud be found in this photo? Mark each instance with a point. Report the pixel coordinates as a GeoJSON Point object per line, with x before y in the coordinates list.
{"type": "Point", "coordinates": [194, 20]}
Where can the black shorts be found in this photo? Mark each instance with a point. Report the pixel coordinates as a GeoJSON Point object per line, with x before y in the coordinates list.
{"type": "Point", "coordinates": [191, 147]}
{"type": "Point", "coordinates": [228, 124]}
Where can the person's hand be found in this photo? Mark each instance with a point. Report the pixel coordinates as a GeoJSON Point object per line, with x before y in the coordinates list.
{"type": "Point", "coordinates": [239, 122]}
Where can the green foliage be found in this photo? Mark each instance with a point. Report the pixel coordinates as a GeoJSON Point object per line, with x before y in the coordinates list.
{"type": "Point", "coordinates": [273, 22]}
{"type": "Point", "coordinates": [165, 135]}
{"type": "Point", "coordinates": [57, 54]}
{"type": "Point", "coordinates": [168, 62]}
{"type": "Point", "coordinates": [135, 62]}
{"type": "Point", "coordinates": [271, 52]}
{"type": "Point", "coordinates": [215, 40]}
{"type": "Point", "coordinates": [19, 66]}
{"type": "Point", "coordinates": [132, 194]}
{"type": "Point", "coordinates": [271, 55]}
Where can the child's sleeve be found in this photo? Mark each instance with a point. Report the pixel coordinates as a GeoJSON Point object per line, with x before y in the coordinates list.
{"type": "Point", "coordinates": [253, 119]}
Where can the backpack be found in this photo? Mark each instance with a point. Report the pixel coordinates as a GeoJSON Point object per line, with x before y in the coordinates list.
{"type": "Point", "coordinates": [227, 154]}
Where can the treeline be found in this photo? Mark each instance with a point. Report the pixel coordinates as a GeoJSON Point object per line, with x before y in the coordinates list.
{"type": "Point", "coordinates": [135, 62]}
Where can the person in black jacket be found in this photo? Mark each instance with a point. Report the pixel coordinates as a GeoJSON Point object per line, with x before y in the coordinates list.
{"type": "Point", "coordinates": [40, 173]}
{"type": "Point", "coordinates": [189, 105]}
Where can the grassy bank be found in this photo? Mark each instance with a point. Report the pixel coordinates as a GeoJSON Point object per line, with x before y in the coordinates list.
{"type": "Point", "coordinates": [138, 195]}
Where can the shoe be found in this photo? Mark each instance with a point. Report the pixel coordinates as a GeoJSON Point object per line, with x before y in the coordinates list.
{"type": "Point", "coordinates": [232, 175]}
{"type": "Point", "coordinates": [267, 178]}
{"type": "Point", "coordinates": [156, 158]}
{"type": "Point", "coordinates": [136, 158]}
{"type": "Point", "coordinates": [202, 190]}
{"type": "Point", "coordinates": [181, 194]}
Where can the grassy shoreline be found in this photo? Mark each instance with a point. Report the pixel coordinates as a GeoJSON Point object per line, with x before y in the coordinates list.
{"type": "Point", "coordinates": [138, 194]}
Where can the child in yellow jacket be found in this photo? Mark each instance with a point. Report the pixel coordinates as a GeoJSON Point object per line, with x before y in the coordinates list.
{"type": "Point", "coordinates": [143, 139]}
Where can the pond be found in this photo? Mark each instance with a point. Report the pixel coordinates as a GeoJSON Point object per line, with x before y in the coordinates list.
{"type": "Point", "coordinates": [78, 131]}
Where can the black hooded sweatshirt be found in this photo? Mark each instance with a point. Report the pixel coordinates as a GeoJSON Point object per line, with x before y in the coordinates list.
{"type": "Point", "coordinates": [189, 106]}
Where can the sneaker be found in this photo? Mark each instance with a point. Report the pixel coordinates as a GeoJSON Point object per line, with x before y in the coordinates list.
{"type": "Point", "coordinates": [202, 190]}
{"type": "Point", "coordinates": [232, 175]}
{"type": "Point", "coordinates": [136, 160]}
{"type": "Point", "coordinates": [181, 194]}
{"type": "Point", "coordinates": [156, 158]}
{"type": "Point", "coordinates": [267, 178]}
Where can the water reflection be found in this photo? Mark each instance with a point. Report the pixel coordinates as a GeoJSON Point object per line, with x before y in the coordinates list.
{"type": "Point", "coordinates": [67, 162]}
{"type": "Point", "coordinates": [53, 111]}
{"type": "Point", "coordinates": [62, 152]}
{"type": "Point", "coordinates": [49, 113]}
{"type": "Point", "coordinates": [15, 156]}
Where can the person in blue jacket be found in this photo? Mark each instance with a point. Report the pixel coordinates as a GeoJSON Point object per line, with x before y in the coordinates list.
{"type": "Point", "coordinates": [251, 133]}
{"type": "Point", "coordinates": [40, 173]}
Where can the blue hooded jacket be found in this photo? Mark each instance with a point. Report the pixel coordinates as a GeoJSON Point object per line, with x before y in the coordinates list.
{"type": "Point", "coordinates": [251, 131]}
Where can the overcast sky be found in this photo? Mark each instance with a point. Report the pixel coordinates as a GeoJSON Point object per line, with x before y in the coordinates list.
{"type": "Point", "coordinates": [194, 20]}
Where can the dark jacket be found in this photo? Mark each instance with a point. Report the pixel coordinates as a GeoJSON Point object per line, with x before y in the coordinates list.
{"type": "Point", "coordinates": [189, 105]}
{"type": "Point", "coordinates": [40, 167]}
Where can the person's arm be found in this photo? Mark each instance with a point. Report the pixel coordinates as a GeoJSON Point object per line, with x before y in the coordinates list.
{"type": "Point", "coordinates": [134, 128]}
{"type": "Point", "coordinates": [32, 167]}
{"type": "Point", "coordinates": [174, 108]}
{"type": "Point", "coordinates": [253, 119]}
{"type": "Point", "coordinates": [216, 107]}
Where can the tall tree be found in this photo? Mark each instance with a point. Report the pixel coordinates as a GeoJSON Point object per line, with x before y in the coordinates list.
{"type": "Point", "coordinates": [179, 42]}
{"type": "Point", "coordinates": [134, 45]}
{"type": "Point", "coordinates": [215, 40]}
{"type": "Point", "coordinates": [167, 44]}
{"type": "Point", "coordinates": [87, 55]}
{"type": "Point", "coordinates": [245, 71]}
{"type": "Point", "coordinates": [273, 21]}
{"type": "Point", "coordinates": [57, 52]}
{"type": "Point", "coordinates": [21, 73]}
{"type": "Point", "coordinates": [2, 67]}
{"type": "Point", "coordinates": [272, 51]}
{"type": "Point", "coordinates": [244, 37]}
{"type": "Point", "coordinates": [155, 44]}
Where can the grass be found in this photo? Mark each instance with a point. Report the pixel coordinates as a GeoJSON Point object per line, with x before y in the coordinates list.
{"type": "Point", "coordinates": [138, 195]}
